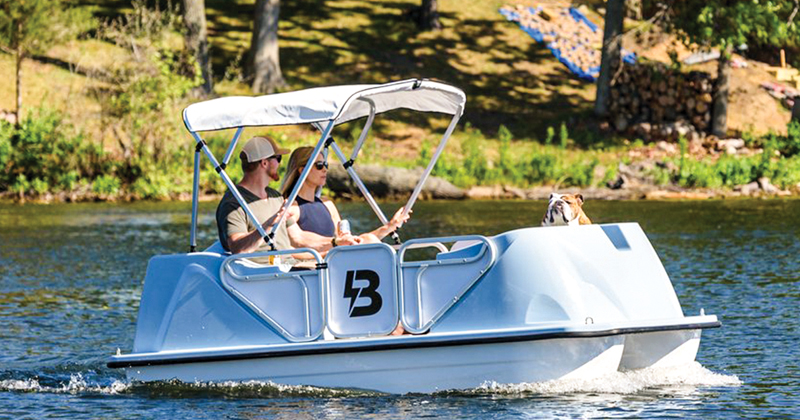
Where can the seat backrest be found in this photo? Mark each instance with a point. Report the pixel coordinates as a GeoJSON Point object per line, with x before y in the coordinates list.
{"type": "Point", "coordinates": [290, 301]}
{"type": "Point", "coordinates": [362, 290]}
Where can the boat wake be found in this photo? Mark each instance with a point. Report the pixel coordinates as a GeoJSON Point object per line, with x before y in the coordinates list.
{"type": "Point", "coordinates": [77, 384]}
{"type": "Point", "coordinates": [673, 381]}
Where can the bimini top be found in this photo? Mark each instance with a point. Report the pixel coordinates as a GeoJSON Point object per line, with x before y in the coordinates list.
{"type": "Point", "coordinates": [339, 103]}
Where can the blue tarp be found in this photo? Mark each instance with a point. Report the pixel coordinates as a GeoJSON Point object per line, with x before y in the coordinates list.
{"type": "Point", "coordinates": [592, 72]}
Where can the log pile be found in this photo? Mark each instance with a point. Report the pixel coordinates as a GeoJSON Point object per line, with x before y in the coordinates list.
{"type": "Point", "coordinates": [566, 32]}
{"type": "Point", "coordinates": [655, 101]}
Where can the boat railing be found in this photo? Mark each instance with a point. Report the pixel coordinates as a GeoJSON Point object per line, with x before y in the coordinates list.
{"type": "Point", "coordinates": [272, 292]}
{"type": "Point", "coordinates": [429, 288]}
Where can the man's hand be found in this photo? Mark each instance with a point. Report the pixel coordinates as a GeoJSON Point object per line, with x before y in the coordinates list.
{"type": "Point", "coordinates": [267, 225]}
{"type": "Point", "coordinates": [347, 239]}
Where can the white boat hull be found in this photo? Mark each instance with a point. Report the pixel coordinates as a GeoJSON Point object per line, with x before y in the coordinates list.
{"type": "Point", "coordinates": [413, 370]}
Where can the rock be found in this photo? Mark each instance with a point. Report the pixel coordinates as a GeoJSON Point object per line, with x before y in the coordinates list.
{"type": "Point", "coordinates": [748, 189]}
{"type": "Point", "coordinates": [667, 147]}
{"type": "Point", "coordinates": [514, 192]}
{"type": "Point", "coordinates": [620, 123]}
{"type": "Point", "coordinates": [390, 181]}
{"type": "Point", "coordinates": [8, 116]}
{"type": "Point", "coordinates": [643, 129]}
{"type": "Point", "coordinates": [676, 195]}
{"type": "Point", "coordinates": [484, 192]}
{"type": "Point", "coordinates": [729, 143]}
{"type": "Point", "coordinates": [766, 186]}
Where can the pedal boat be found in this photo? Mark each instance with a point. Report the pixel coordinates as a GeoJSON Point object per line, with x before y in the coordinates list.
{"type": "Point", "coordinates": [529, 305]}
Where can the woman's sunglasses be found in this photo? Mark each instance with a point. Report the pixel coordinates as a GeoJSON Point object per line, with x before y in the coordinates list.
{"type": "Point", "coordinates": [319, 165]}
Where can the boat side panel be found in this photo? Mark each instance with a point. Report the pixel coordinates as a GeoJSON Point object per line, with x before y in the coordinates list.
{"type": "Point", "coordinates": [413, 370]}
{"type": "Point", "coordinates": [184, 306]}
{"type": "Point", "coordinates": [584, 274]}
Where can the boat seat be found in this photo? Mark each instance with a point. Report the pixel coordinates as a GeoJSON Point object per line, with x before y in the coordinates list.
{"type": "Point", "coordinates": [467, 249]}
{"type": "Point", "coordinates": [217, 248]}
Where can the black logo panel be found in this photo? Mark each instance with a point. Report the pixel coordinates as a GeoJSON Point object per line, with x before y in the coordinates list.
{"type": "Point", "coordinates": [370, 292]}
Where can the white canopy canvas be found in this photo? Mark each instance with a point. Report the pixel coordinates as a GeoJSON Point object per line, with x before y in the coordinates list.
{"type": "Point", "coordinates": [338, 103]}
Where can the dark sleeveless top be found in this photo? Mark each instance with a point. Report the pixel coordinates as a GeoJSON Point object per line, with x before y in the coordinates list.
{"type": "Point", "coordinates": [315, 217]}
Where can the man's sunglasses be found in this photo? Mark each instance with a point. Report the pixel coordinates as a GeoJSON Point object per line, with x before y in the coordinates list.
{"type": "Point", "coordinates": [277, 158]}
{"type": "Point", "coordinates": [319, 165]}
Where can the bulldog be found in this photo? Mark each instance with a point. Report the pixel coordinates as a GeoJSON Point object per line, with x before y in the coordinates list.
{"type": "Point", "coordinates": [565, 209]}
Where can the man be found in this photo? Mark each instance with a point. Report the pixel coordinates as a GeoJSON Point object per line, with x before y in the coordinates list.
{"type": "Point", "coordinates": [261, 158]}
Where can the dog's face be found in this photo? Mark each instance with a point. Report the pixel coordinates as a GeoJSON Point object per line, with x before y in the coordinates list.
{"type": "Point", "coordinates": [565, 209]}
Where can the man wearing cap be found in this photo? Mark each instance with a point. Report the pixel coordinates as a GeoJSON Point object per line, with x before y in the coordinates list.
{"type": "Point", "coordinates": [261, 158]}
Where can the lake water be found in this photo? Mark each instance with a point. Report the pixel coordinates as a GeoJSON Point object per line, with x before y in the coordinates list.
{"type": "Point", "coordinates": [71, 275]}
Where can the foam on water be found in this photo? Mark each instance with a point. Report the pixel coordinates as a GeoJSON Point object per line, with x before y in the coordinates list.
{"type": "Point", "coordinates": [672, 380]}
{"type": "Point", "coordinates": [630, 382]}
{"type": "Point", "coordinates": [76, 385]}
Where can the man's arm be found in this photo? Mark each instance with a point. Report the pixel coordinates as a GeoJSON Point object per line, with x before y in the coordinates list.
{"type": "Point", "coordinates": [240, 243]}
{"type": "Point", "coordinates": [303, 239]}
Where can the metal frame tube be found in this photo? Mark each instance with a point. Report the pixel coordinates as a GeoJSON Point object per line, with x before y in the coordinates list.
{"type": "Point", "coordinates": [361, 187]}
{"type": "Point", "coordinates": [232, 188]}
{"type": "Point", "coordinates": [195, 190]}
{"type": "Point", "coordinates": [429, 169]}
{"type": "Point", "coordinates": [303, 175]}
{"type": "Point", "coordinates": [365, 130]}
{"type": "Point", "coordinates": [232, 146]}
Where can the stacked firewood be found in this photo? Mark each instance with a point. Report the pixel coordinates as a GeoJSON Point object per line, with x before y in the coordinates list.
{"type": "Point", "coordinates": [573, 40]}
{"type": "Point", "coordinates": [656, 94]}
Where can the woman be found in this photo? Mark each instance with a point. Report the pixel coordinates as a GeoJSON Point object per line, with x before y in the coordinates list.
{"type": "Point", "coordinates": [319, 215]}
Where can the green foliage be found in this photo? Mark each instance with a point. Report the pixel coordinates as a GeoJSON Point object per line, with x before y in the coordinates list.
{"type": "Point", "coordinates": [563, 136]}
{"type": "Point", "coordinates": [48, 152]}
{"type": "Point", "coordinates": [106, 185]}
{"type": "Point", "coordinates": [551, 133]}
{"type": "Point", "coordinates": [790, 144]}
{"type": "Point", "coordinates": [722, 23]}
{"type": "Point", "coordinates": [32, 26]}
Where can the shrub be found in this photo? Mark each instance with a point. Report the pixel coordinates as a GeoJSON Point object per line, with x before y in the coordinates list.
{"type": "Point", "coordinates": [106, 185]}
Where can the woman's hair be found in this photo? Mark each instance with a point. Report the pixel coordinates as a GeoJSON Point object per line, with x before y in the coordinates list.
{"type": "Point", "coordinates": [298, 159]}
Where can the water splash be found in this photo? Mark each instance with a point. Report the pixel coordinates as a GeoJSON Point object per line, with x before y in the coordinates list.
{"type": "Point", "coordinates": [76, 385]}
{"type": "Point", "coordinates": [675, 379]}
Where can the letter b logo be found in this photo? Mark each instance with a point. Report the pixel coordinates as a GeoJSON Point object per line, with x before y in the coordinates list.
{"type": "Point", "coordinates": [370, 292]}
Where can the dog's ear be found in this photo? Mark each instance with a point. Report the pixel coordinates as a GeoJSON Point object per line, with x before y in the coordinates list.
{"type": "Point", "coordinates": [580, 198]}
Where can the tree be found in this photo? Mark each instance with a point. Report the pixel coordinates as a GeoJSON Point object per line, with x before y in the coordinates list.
{"type": "Point", "coordinates": [426, 16]}
{"type": "Point", "coordinates": [610, 56]}
{"type": "Point", "coordinates": [32, 26]}
{"type": "Point", "coordinates": [725, 24]}
{"type": "Point", "coordinates": [194, 15]}
{"type": "Point", "coordinates": [263, 63]}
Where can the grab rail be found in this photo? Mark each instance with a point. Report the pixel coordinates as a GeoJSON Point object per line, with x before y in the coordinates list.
{"type": "Point", "coordinates": [274, 272]}
{"type": "Point", "coordinates": [487, 246]}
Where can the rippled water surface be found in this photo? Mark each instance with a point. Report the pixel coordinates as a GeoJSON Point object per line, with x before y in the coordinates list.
{"type": "Point", "coordinates": [71, 275]}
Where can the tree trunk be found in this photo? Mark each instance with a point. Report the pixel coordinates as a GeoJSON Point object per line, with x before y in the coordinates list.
{"type": "Point", "coordinates": [719, 116]}
{"type": "Point", "coordinates": [194, 15]}
{"type": "Point", "coordinates": [610, 58]}
{"type": "Point", "coordinates": [264, 63]}
{"type": "Point", "coordinates": [19, 84]}
{"type": "Point", "coordinates": [429, 16]}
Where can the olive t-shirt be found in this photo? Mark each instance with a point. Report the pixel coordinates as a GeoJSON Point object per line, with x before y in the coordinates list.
{"type": "Point", "coordinates": [232, 219]}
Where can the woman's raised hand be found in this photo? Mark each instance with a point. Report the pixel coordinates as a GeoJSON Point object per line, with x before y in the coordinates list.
{"type": "Point", "coordinates": [399, 219]}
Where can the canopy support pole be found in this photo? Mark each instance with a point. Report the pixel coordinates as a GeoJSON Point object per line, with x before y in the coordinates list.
{"type": "Point", "coordinates": [232, 147]}
{"type": "Point", "coordinates": [365, 130]}
{"type": "Point", "coordinates": [429, 169]}
{"type": "Point", "coordinates": [232, 188]}
{"type": "Point", "coordinates": [195, 189]}
{"type": "Point", "coordinates": [363, 188]}
{"type": "Point", "coordinates": [303, 175]}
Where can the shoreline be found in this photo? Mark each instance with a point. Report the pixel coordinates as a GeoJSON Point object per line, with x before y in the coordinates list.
{"type": "Point", "coordinates": [479, 193]}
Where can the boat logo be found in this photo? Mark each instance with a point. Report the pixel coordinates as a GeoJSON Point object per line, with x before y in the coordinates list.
{"type": "Point", "coordinates": [370, 292]}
